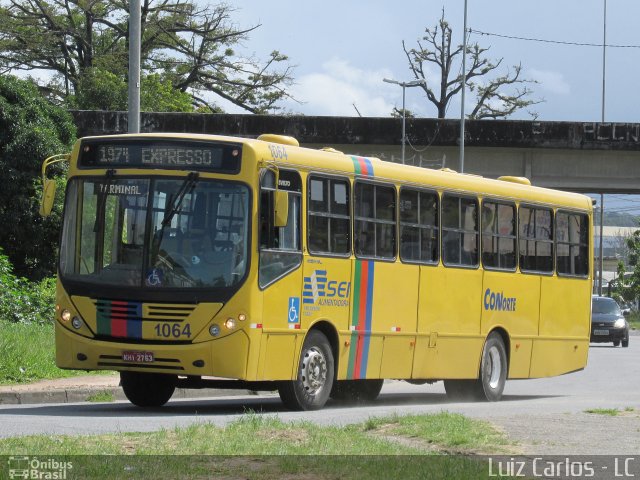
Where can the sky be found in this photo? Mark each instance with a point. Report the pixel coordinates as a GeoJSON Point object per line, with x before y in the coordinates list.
{"type": "Point", "coordinates": [343, 49]}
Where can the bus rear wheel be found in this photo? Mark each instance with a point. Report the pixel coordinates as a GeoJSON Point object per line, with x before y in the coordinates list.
{"type": "Point", "coordinates": [356, 390]}
{"type": "Point", "coordinates": [492, 376]}
{"type": "Point", "coordinates": [147, 389]}
{"type": "Point", "coordinates": [311, 389]}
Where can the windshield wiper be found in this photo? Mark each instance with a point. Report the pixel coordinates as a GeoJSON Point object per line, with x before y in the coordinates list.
{"type": "Point", "coordinates": [187, 187]}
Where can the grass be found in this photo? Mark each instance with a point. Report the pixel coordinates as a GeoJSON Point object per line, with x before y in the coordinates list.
{"type": "Point", "coordinates": [449, 430]}
{"type": "Point", "coordinates": [634, 320]}
{"type": "Point", "coordinates": [102, 397]}
{"type": "Point", "coordinates": [257, 447]}
{"type": "Point", "coordinates": [28, 354]}
{"type": "Point", "coordinates": [612, 412]}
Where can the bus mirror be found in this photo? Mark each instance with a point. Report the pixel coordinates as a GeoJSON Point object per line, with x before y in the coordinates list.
{"type": "Point", "coordinates": [281, 207]}
{"type": "Point", "coordinates": [48, 196]}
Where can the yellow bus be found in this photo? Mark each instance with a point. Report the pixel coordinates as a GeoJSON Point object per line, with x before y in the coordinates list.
{"type": "Point", "coordinates": [199, 260]}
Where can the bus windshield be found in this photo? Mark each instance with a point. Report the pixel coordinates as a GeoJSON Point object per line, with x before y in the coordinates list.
{"type": "Point", "coordinates": [155, 233]}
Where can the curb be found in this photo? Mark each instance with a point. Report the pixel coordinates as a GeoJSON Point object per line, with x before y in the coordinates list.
{"type": "Point", "coordinates": [78, 395]}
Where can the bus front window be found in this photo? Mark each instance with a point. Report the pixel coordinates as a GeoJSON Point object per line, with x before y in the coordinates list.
{"type": "Point", "coordinates": [155, 234]}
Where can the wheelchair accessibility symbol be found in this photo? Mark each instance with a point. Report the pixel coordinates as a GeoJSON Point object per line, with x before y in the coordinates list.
{"type": "Point", "coordinates": [294, 309]}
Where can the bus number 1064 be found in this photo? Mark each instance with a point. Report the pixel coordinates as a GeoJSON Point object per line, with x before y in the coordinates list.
{"type": "Point", "coordinates": [176, 330]}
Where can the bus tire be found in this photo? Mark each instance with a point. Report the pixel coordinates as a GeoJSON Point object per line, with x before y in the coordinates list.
{"type": "Point", "coordinates": [491, 378]}
{"type": "Point", "coordinates": [461, 390]}
{"type": "Point", "coordinates": [147, 389]}
{"type": "Point", "coordinates": [356, 390]}
{"type": "Point", "coordinates": [493, 369]}
{"type": "Point", "coordinates": [312, 386]}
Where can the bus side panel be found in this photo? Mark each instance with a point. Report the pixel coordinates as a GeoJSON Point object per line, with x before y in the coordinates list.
{"type": "Point", "coordinates": [395, 316]}
{"type": "Point", "coordinates": [383, 320]}
{"type": "Point", "coordinates": [278, 361]}
{"type": "Point", "coordinates": [449, 317]}
{"type": "Point", "coordinates": [280, 322]}
{"type": "Point", "coordinates": [326, 296]}
{"type": "Point", "coordinates": [511, 301]}
{"type": "Point", "coordinates": [565, 309]}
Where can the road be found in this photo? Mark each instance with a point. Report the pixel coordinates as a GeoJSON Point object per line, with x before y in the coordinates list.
{"type": "Point", "coordinates": [542, 415]}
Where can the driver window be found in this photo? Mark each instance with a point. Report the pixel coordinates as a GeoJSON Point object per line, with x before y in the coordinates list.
{"type": "Point", "coordinates": [280, 249]}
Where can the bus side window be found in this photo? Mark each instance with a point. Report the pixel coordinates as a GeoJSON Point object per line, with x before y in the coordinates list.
{"type": "Point", "coordinates": [535, 231]}
{"type": "Point", "coordinates": [375, 220]}
{"type": "Point", "coordinates": [280, 247]}
{"type": "Point", "coordinates": [459, 231]}
{"type": "Point", "coordinates": [418, 226]}
{"type": "Point", "coordinates": [572, 244]}
{"type": "Point", "coordinates": [329, 221]}
{"type": "Point", "coordinates": [498, 235]}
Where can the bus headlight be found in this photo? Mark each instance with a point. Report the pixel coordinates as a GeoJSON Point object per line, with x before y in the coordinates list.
{"type": "Point", "coordinates": [230, 323]}
{"type": "Point", "coordinates": [65, 315]}
{"type": "Point", "coordinates": [214, 330]}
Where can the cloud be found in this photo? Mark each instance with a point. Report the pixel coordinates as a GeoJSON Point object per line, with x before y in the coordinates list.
{"type": "Point", "coordinates": [337, 87]}
{"type": "Point", "coordinates": [553, 82]}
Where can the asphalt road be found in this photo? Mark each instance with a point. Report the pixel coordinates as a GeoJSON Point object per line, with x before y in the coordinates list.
{"type": "Point", "coordinates": [543, 415]}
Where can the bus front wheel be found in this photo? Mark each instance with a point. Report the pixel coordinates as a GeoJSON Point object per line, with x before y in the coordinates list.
{"type": "Point", "coordinates": [147, 389]}
{"type": "Point", "coordinates": [492, 376]}
{"type": "Point", "coordinates": [311, 389]}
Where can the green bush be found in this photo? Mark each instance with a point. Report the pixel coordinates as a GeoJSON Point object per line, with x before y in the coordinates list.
{"type": "Point", "coordinates": [22, 301]}
{"type": "Point", "coordinates": [31, 129]}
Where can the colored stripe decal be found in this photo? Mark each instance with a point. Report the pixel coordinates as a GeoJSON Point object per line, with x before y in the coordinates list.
{"type": "Point", "coordinates": [362, 166]}
{"type": "Point", "coordinates": [361, 319]}
{"type": "Point", "coordinates": [119, 318]}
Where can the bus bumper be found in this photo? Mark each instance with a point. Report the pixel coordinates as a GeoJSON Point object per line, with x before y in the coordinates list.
{"type": "Point", "coordinates": [225, 357]}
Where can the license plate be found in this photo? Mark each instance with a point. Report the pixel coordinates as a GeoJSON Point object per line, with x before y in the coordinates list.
{"type": "Point", "coordinates": [137, 356]}
{"type": "Point", "coordinates": [601, 332]}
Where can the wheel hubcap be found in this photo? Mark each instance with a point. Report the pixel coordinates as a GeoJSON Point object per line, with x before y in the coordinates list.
{"type": "Point", "coordinates": [313, 371]}
{"type": "Point", "coordinates": [495, 368]}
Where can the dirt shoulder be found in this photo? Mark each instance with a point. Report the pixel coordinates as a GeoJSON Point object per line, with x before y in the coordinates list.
{"type": "Point", "coordinates": [573, 433]}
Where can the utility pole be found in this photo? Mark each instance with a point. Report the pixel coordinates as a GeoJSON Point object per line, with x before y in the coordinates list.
{"type": "Point", "coordinates": [134, 66]}
{"type": "Point", "coordinates": [464, 82]}
{"type": "Point", "coordinates": [604, 68]}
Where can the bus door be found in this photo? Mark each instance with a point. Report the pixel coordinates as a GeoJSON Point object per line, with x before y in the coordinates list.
{"type": "Point", "coordinates": [280, 276]}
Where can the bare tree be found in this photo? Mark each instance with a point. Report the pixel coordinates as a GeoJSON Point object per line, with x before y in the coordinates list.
{"type": "Point", "coordinates": [193, 47]}
{"type": "Point", "coordinates": [492, 99]}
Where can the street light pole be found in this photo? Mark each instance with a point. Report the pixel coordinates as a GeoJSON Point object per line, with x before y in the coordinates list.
{"type": "Point", "coordinates": [404, 85]}
{"type": "Point", "coordinates": [134, 66]}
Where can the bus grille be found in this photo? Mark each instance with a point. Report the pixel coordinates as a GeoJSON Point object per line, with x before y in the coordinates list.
{"type": "Point", "coordinates": [124, 319]}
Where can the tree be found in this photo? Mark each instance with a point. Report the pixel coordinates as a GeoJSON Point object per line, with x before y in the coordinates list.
{"type": "Point", "coordinates": [398, 113]}
{"type": "Point", "coordinates": [492, 98]}
{"type": "Point", "coordinates": [627, 284]}
{"type": "Point", "coordinates": [31, 128]}
{"type": "Point", "coordinates": [191, 47]}
{"type": "Point", "coordinates": [102, 90]}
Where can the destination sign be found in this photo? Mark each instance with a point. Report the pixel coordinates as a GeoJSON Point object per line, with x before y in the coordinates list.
{"type": "Point", "coordinates": [152, 153]}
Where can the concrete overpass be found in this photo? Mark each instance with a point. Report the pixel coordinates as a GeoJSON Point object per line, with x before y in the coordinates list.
{"type": "Point", "coordinates": [578, 156]}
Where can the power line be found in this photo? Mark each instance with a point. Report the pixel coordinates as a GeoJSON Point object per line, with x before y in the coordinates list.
{"type": "Point", "coordinates": [558, 42]}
